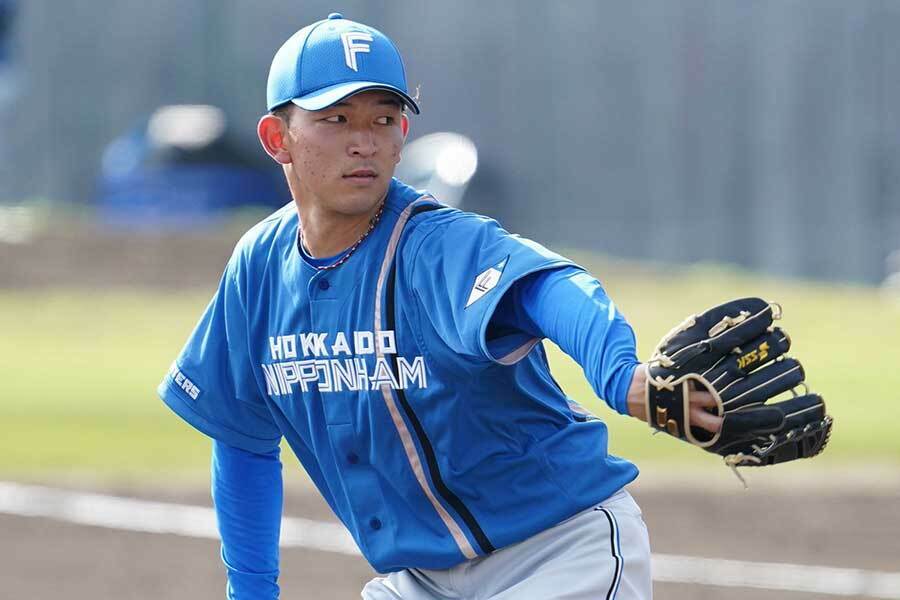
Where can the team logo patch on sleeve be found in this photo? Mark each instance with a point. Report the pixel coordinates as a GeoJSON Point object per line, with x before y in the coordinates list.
{"type": "Point", "coordinates": [486, 281]}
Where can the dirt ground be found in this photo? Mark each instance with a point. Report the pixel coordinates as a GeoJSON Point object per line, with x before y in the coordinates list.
{"type": "Point", "coordinates": [46, 559]}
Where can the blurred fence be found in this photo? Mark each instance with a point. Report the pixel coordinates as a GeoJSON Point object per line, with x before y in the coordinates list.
{"type": "Point", "coordinates": [763, 133]}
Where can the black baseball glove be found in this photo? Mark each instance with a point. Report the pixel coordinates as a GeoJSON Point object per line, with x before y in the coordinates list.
{"type": "Point", "coordinates": [734, 352]}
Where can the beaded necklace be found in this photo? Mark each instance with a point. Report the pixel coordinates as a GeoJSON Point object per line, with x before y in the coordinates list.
{"type": "Point", "coordinates": [346, 256]}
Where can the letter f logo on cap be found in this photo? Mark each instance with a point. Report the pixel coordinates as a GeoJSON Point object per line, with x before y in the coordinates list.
{"type": "Point", "coordinates": [352, 46]}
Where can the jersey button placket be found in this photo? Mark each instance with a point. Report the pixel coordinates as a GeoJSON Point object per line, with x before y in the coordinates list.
{"type": "Point", "coordinates": [323, 284]}
{"type": "Point", "coordinates": [375, 523]}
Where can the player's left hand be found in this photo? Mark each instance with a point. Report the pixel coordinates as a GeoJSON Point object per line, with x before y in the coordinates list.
{"type": "Point", "coordinates": [737, 357]}
{"type": "Point", "coordinates": [699, 402]}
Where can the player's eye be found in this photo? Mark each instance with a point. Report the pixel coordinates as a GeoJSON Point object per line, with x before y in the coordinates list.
{"type": "Point", "coordinates": [385, 120]}
{"type": "Point", "coordinates": [335, 119]}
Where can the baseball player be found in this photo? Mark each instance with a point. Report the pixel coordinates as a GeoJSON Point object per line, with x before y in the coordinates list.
{"type": "Point", "coordinates": [395, 344]}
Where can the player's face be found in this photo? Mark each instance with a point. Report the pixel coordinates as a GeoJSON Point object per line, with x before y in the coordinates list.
{"type": "Point", "coordinates": [343, 157]}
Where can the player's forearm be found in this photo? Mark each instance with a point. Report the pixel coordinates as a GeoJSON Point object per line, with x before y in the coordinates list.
{"type": "Point", "coordinates": [247, 492]}
{"type": "Point", "coordinates": [570, 307]}
{"type": "Point", "coordinates": [637, 394]}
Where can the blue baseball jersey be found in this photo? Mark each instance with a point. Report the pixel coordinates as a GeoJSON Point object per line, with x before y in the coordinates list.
{"type": "Point", "coordinates": [431, 443]}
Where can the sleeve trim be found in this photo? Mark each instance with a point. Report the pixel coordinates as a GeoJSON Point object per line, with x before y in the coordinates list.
{"type": "Point", "coordinates": [525, 348]}
{"type": "Point", "coordinates": [519, 353]}
{"type": "Point", "coordinates": [181, 406]}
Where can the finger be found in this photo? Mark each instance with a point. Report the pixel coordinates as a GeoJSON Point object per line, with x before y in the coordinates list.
{"type": "Point", "coordinates": [761, 384]}
{"type": "Point", "coordinates": [702, 399]}
{"type": "Point", "coordinates": [722, 327]}
{"type": "Point", "coordinates": [702, 419]}
{"type": "Point", "coordinates": [742, 320]}
{"type": "Point", "coordinates": [749, 357]}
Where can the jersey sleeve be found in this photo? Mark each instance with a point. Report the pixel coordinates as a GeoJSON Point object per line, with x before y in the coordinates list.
{"type": "Point", "coordinates": [211, 384]}
{"type": "Point", "coordinates": [571, 308]}
{"type": "Point", "coordinates": [460, 270]}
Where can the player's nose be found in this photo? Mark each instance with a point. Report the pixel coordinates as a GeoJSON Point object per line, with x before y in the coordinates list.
{"type": "Point", "coordinates": [362, 143]}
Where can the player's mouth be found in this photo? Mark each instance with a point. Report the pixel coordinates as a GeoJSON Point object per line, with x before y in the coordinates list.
{"type": "Point", "coordinates": [361, 176]}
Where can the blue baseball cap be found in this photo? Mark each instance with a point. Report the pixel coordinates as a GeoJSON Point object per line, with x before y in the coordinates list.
{"type": "Point", "coordinates": [327, 61]}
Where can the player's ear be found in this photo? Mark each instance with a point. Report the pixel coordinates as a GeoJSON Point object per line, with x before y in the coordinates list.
{"type": "Point", "coordinates": [404, 125]}
{"type": "Point", "coordinates": [272, 130]}
{"type": "Point", "coordinates": [404, 128]}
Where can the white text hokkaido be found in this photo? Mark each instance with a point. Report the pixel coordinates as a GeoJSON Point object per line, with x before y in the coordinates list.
{"type": "Point", "coordinates": [323, 362]}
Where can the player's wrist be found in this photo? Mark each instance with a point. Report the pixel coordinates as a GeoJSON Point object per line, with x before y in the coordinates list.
{"type": "Point", "coordinates": [636, 401]}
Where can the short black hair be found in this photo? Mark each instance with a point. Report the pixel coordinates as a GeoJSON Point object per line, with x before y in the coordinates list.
{"type": "Point", "coordinates": [283, 112]}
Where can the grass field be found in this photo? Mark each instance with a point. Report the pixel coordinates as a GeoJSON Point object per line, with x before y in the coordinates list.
{"type": "Point", "coordinates": [79, 370]}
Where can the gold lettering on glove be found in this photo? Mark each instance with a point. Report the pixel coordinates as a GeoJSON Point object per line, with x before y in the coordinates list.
{"type": "Point", "coordinates": [756, 355]}
{"type": "Point", "coordinates": [672, 428]}
{"type": "Point", "coordinates": [662, 415]}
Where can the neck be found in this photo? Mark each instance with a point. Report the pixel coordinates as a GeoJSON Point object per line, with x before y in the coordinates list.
{"type": "Point", "coordinates": [326, 233]}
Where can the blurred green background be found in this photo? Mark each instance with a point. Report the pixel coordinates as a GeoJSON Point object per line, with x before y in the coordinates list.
{"type": "Point", "coordinates": [694, 138]}
{"type": "Point", "coordinates": [80, 369]}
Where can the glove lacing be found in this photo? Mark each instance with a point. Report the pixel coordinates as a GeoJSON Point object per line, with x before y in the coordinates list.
{"type": "Point", "coordinates": [735, 460]}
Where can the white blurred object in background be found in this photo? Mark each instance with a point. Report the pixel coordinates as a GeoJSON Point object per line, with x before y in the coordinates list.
{"type": "Point", "coordinates": [188, 126]}
{"type": "Point", "coordinates": [442, 163]}
{"type": "Point", "coordinates": [18, 224]}
{"type": "Point", "coordinates": [891, 284]}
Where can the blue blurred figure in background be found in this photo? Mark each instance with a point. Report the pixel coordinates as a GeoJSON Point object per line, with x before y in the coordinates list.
{"type": "Point", "coordinates": [7, 12]}
{"type": "Point", "coordinates": [7, 80]}
{"type": "Point", "coordinates": [179, 167]}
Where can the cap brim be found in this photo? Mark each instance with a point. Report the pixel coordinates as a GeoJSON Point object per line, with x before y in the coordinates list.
{"type": "Point", "coordinates": [327, 96]}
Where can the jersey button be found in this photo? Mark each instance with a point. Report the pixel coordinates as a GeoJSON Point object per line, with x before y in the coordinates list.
{"type": "Point", "coordinates": [323, 284]}
{"type": "Point", "coordinates": [352, 458]}
{"type": "Point", "coordinates": [375, 524]}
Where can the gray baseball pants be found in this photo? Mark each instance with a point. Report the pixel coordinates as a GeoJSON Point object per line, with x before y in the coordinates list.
{"type": "Point", "coordinates": [602, 553]}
